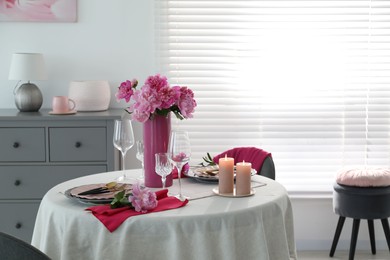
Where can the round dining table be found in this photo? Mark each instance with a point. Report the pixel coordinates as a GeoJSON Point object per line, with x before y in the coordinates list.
{"type": "Point", "coordinates": [209, 226]}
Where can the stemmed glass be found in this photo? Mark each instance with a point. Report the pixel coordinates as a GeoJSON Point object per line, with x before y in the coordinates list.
{"type": "Point", "coordinates": [163, 166]}
{"type": "Point", "coordinates": [123, 140]}
{"type": "Point", "coordinates": [140, 157]}
{"type": "Point", "coordinates": [179, 153]}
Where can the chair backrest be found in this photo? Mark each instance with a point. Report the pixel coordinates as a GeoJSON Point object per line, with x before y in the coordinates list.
{"type": "Point", "coordinates": [12, 248]}
{"type": "Point", "coordinates": [268, 168]}
{"type": "Point", "coordinates": [261, 160]}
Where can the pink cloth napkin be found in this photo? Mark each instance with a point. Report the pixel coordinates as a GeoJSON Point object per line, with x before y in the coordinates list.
{"type": "Point", "coordinates": [186, 167]}
{"type": "Point", "coordinates": [253, 155]}
{"type": "Point", "coordinates": [113, 218]}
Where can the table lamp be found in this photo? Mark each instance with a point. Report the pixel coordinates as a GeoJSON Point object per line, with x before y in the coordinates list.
{"type": "Point", "coordinates": [27, 66]}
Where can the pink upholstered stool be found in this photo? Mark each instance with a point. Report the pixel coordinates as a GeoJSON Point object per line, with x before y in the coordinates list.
{"type": "Point", "coordinates": [362, 193]}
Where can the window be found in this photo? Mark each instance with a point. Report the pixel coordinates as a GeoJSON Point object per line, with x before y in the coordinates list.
{"type": "Point", "coordinates": [305, 80]}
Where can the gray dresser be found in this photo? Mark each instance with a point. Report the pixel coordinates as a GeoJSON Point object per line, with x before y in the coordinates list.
{"type": "Point", "coordinates": [39, 150]}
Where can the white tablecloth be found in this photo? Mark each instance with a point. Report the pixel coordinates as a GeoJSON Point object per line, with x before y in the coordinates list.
{"type": "Point", "coordinates": [208, 227]}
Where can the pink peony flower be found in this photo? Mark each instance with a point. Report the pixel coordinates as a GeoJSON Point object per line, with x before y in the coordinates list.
{"type": "Point", "coordinates": [168, 97]}
{"type": "Point", "coordinates": [143, 199]}
{"type": "Point", "coordinates": [180, 157]}
{"type": "Point", "coordinates": [157, 82]}
{"type": "Point", "coordinates": [186, 102]}
{"type": "Point", "coordinates": [125, 90]}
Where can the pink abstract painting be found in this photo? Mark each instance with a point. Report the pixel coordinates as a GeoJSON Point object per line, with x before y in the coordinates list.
{"type": "Point", "coordinates": [38, 10]}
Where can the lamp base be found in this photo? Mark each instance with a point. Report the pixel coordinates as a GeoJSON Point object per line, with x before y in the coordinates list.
{"type": "Point", "coordinates": [28, 98]}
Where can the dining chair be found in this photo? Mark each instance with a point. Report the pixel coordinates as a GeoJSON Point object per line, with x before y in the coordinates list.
{"type": "Point", "coordinates": [12, 248]}
{"type": "Point", "coordinates": [261, 160]}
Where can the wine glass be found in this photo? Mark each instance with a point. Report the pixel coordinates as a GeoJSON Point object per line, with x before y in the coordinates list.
{"type": "Point", "coordinates": [163, 166]}
{"type": "Point", "coordinates": [179, 153]}
{"type": "Point", "coordinates": [123, 140]}
{"type": "Point", "coordinates": [140, 157]}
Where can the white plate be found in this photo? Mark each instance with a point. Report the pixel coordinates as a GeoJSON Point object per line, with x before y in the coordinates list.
{"type": "Point", "coordinates": [233, 195]}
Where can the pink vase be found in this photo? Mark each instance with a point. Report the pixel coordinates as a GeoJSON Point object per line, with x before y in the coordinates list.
{"type": "Point", "coordinates": [156, 138]}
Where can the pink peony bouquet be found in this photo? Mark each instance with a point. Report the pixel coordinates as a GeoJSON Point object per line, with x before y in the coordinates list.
{"type": "Point", "coordinates": [156, 97]}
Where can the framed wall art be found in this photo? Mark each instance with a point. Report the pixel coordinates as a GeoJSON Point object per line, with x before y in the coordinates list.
{"type": "Point", "coordinates": [38, 10]}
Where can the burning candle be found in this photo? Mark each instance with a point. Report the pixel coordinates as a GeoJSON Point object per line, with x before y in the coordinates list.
{"type": "Point", "coordinates": [226, 175]}
{"type": "Point", "coordinates": [243, 178]}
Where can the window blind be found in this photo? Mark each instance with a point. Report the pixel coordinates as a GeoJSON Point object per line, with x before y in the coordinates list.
{"type": "Point", "coordinates": [305, 80]}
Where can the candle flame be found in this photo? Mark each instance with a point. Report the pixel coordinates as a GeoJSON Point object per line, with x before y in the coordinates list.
{"type": "Point", "coordinates": [225, 156]}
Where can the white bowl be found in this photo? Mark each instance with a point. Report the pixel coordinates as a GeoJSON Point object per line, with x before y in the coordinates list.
{"type": "Point", "coordinates": [90, 95]}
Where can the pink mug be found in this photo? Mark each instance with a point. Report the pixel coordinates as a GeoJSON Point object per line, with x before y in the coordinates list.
{"type": "Point", "coordinates": [63, 104]}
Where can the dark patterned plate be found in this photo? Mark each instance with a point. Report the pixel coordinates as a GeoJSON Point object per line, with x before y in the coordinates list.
{"type": "Point", "coordinates": [103, 198]}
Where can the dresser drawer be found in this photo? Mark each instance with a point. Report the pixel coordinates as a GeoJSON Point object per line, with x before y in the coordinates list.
{"type": "Point", "coordinates": [22, 144]}
{"type": "Point", "coordinates": [32, 182]}
{"type": "Point", "coordinates": [77, 144]}
{"type": "Point", "coordinates": [18, 218]}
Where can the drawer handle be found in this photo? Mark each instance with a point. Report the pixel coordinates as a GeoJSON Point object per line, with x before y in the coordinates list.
{"type": "Point", "coordinates": [18, 225]}
{"type": "Point", "coordinates": [16, 145]}
{"type": "Point", "coordinates": [17, 182]}
{"type": "Point", "coordinates": [78, 144]}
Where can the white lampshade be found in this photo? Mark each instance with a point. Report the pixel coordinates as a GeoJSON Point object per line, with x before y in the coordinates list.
{"type": "Point", "coordinates": [27, 66]}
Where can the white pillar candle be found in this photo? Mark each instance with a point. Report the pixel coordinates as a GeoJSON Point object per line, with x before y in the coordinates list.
{"type": "Point", "coordinates": [226, 175]}
{"type": "Point", "coordinates": [243, 178]}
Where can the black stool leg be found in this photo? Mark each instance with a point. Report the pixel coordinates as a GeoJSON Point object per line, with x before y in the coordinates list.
{"type": "Point", "coordinates": [371, 231]}
{"type": "Point", "coordinates": [386, 229]}
{"type": "Point", "coordinates": [354, 236]}
{"type": "Point", "coordinates": [337, 235]}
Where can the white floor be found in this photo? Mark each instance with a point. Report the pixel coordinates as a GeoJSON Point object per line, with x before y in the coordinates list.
{"type": "Point", "coordinates": [341, 255]}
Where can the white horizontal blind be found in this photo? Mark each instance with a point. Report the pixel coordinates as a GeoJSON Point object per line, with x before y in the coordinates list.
{"type": "Point", "coordinates": [306, 80]}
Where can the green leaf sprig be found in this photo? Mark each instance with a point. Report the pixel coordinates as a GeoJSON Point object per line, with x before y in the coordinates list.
{"type": "Point", "coordinates": [208, 160]}
{"type": "Point", "coordinates": [120, 200]}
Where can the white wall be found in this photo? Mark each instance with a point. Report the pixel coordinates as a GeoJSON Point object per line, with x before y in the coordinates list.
{"type": "Point", "coordinates": [113, 40]}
